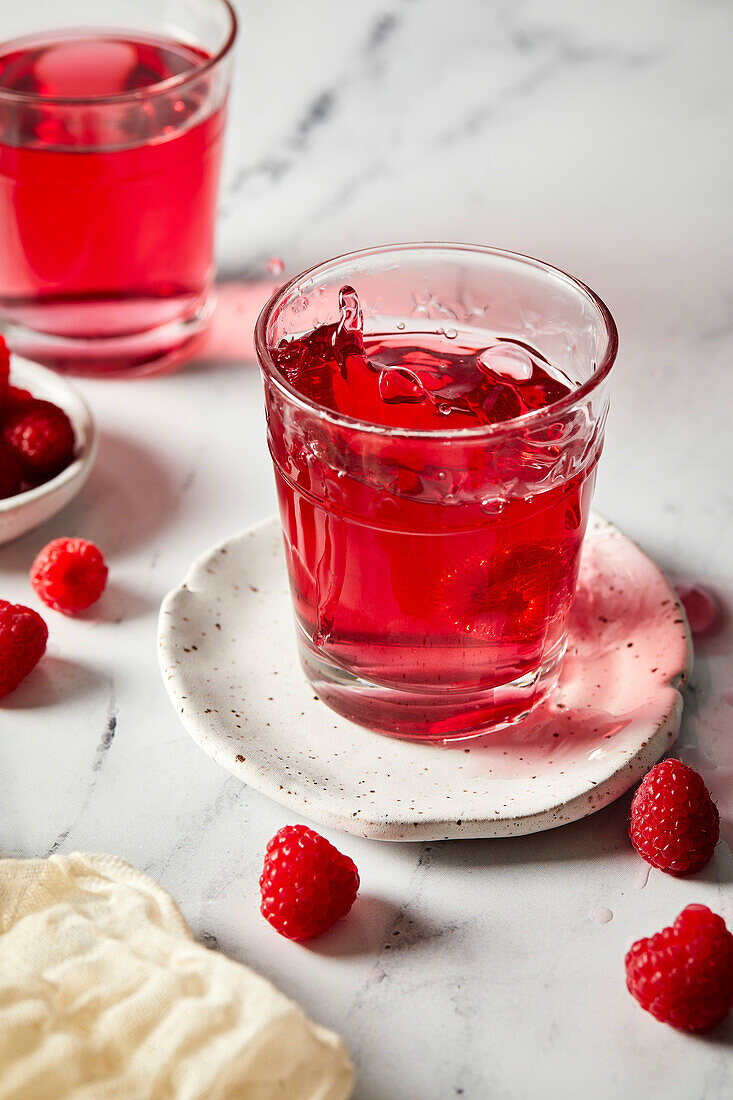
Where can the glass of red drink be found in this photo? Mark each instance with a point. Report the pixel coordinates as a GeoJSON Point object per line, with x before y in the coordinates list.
{"type": "Point", "coordinates": [111, 124]}
{"type": "Point", "coordinates": [435, 416]}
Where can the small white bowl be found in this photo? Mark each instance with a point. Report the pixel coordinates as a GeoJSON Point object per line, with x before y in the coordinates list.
{"type": "Point", "coordinates": [23, 512]}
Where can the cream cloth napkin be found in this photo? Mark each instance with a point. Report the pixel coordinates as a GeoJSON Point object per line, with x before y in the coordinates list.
{"type": "Point", "coordinates": [104, 995]}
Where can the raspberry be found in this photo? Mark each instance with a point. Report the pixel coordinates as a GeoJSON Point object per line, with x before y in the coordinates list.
{"type": "Point", "coordinates": [11, 475]}
{"type": "Point", "coordinates": [69, 575]}
{"type": "Point", "coordinates": [306, 883]}
{"type": "Point", "coordinates": [674, 822]}
{"type": "Point", "coordinates": [684, 974]}
{"type": "Point", "coordinates": [4, 364]}
{"type": "Point", "coordinates": [42, 437]}
{"type": "Point", "coordinates": [12, 399]}
{"type": "Point", "coordinates": [23, 637]}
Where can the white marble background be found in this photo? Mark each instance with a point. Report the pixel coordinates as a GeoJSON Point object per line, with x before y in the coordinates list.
{"type": "Point", "coordinates": [596, 136]}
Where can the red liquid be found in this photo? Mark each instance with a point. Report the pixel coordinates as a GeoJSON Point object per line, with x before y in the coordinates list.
{"type": "Point", "coordinates": [421, 566]}
{"type": "Point", "coordinates": [106, 211]}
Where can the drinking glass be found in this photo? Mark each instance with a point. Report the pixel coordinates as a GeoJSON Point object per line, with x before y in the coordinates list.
{"type": "Point", "coordinates": [433, 571]}
{"type": "Point", "coordinates": [111, 123]}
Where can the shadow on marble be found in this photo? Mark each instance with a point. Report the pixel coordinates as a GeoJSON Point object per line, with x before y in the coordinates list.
{"type": "Point", "coordinates": [120, 604]}
{"type": "Point", "coordinates": [720, 1036]}
{"type": "Point", "coordinates": [369, 928]}
{"type": "Point", "coordinates": [55, 682]}
{"type": "Point", "coordinates": [601, 834]}
{"type": "Point", "coordinates": [129, 498]}
{"type": "Point", "coordinates": [719, 872]}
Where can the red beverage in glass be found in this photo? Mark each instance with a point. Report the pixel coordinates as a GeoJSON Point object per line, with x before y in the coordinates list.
{"type": "Point", "coordinates": [110, 149]}
{"type": "Point", "coordinates": [433, 509]}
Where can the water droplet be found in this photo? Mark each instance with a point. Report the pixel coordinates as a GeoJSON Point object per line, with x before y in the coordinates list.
{"type": "Point", "coordinates": [508, 361]}
{"type": "Point", "coordinates": [400, 325]}
{"type": "Point", "coordinates": [450, 334]}
{"type": "Point", "coordinates": [275, 266]}
{"type": "Point", "coordinates": [445, 408]}
{"type": "Point", "coordinates": [601, 915]}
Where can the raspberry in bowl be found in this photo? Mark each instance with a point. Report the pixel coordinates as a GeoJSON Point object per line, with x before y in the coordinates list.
{"type": "Point", "coordinates": [47, 450]}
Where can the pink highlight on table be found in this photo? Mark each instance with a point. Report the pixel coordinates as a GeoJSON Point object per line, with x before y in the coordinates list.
{"type": "Point", "coordinates": [600, 915]}
{"type": "Point", "coordinates": [624, 629]}
{"type": "Point", "coordinates": [230, 337]}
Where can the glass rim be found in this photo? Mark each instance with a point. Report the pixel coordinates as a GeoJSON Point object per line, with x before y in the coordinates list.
{"type": "Point", "coordinates": [160, 87]}
{"type": "Point", "coordinates": [502, 427]}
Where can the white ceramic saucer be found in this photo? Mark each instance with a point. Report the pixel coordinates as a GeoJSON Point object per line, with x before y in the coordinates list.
{"type": "Point", "coordinates": [229, 661]}
{"type": "Point", "coordinates": [23, 512]}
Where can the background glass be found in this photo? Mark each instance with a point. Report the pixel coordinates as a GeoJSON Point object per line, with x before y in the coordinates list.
{"type": "Point", "coordinates": [107, 202]}
{"type": "Point", "coordinates": [432, 572]}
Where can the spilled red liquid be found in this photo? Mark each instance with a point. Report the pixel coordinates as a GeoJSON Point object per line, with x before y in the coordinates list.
{"type": "Point", "coordinates": [106, 211]}
{"type": "Point", "coordinates": [414, 563]}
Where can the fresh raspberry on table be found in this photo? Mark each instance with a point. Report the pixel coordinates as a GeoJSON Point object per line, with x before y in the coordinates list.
{"type": "Point", "coordinates": [684, 974]}
{"type": "Point", "coordinates": [674, 822]}
{"type": "Point", "coordinates": [42, 437]}
{"type": "Point", "coordinates": [69, 575]}
{"type": "Point", "coordinates": [11, 475]}
{"type": "Point", "coordinates": [23, 637]}
{"type": "Point", "coordinates": [306, 884]}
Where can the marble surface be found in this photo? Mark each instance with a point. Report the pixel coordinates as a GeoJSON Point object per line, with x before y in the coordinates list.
{"type": "Point", "coordinates": [593, 136]}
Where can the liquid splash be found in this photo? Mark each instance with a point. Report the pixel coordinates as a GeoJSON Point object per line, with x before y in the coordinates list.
{"type": "Point", "coordinates": [440, 378]}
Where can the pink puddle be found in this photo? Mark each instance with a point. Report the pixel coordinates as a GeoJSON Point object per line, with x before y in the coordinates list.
{"type": "Point", "coordinates": [642, 876]}
{"type": "Point", "coordinates": [601, 915]}
{"type": "Point", "coordinates": [700, 606]}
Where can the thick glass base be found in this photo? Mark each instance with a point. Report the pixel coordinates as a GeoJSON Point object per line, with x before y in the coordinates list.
{"type": "Point", "coordinates": [155, 350]}
{"type": "Point", "coordinates": [424, 715]}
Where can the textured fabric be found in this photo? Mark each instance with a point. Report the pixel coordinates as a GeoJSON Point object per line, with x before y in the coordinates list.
{"type": "Point", "coordinates": [104, 994]}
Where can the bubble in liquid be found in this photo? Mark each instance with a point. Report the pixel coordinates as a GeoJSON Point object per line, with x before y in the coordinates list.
{"type": "Point", "coordinates": [275, 266]}
{"type": "Point", "coordinates": [493, 506]}
{"type": "Point", "coordinates": [508, 361]}
{"type": "Point", "coordinates": [445, 408]}
{"type": "Point", "coordinates": [400, 325]}
{"type": "Point", "coordinates": [450, 334]}
{"type": "Point", "coordinates": [350, 316]}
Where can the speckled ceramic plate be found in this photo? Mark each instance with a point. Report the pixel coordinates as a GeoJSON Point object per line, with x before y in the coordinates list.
{"type": "Point", "coordinates": [229, 661]}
